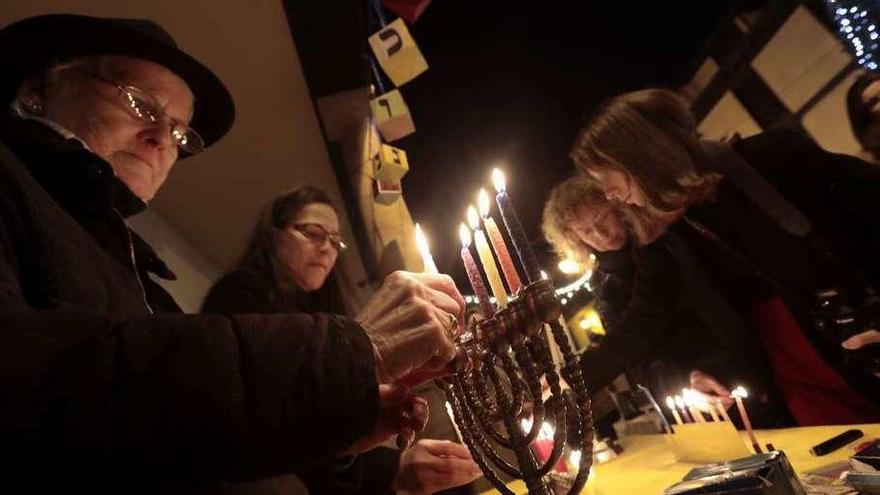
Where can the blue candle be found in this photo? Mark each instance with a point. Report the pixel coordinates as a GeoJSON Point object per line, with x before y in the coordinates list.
{"type": "Point", "coordinates": [517, 235]}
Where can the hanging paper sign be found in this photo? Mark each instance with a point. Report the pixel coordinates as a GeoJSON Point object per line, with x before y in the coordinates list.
{"type": "Point", "coordinates": [390, 165]}
{"type": "Point", "coordinates": [386, 192]}
{"type": "Point", "coordinates": [398, 53]}
{"type": "Point", "coordinates": [410, 10]}
{"type": "Point", "coordinates": [392, 116]}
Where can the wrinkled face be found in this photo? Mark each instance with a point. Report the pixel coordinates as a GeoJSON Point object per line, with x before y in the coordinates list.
{"type": "Point", "coordinates": [309, 257]}
{"type": "Point", "coordinates": [619, 186]}
{"type": "Point", "coordinates": [599, 227]}
{"type": "Point", "coordinates": [141, 153]}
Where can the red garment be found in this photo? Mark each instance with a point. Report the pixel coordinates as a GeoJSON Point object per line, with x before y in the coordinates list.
{"type": "Point", "coordinates": [814, 392]}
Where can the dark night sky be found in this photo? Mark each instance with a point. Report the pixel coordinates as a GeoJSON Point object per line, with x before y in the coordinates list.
{"type": "Point", "coordinates": [509, 84]}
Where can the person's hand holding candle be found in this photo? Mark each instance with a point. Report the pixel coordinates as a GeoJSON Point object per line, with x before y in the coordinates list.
{"type": "Point", "coordinates": [710, 389]}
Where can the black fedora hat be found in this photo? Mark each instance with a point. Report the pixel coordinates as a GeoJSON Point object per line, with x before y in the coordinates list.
{"type": "Point", "coordinates": [36, 43]}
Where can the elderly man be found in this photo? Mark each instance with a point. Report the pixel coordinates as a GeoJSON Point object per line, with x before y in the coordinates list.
{"type": "Point", "coordinates": [101, 383]}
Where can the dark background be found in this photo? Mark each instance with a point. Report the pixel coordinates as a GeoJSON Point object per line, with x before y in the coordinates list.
{"type": "Point", "coordinates": [509, 84]}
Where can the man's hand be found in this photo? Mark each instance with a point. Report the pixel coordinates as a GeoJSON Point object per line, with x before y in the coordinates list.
{"type": "Point", "coordinates": [400, 413]}
{"type": "Point", "coordinates": [433, 465]}
{"type": "Point", "coordinates": [711, 390]}
{"type": "Point", "coordinates": [411, 321]}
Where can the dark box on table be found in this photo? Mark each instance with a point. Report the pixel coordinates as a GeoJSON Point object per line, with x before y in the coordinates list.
{"type": "Point", "coordinates": [761, 474]}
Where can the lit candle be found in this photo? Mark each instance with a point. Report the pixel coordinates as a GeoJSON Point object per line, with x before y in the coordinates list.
{"type": "Point", "coordinates": [670, 403]}
{"type": "Point", "coordinates": [689, 401]}
{"type": "Point", "coordinates": [454, 424]}
{"type": "Point", "coordinates": [738, 394]}
{"type": "Point", "coordinates": [514, 228]}
{"type": "Point", "coordinates": [498, 244]}
{"type": "Point", "coordinates": [473, 272]}
{"type": "Point", "coordinates": [679, 402]}
{"type": "Point", "coordinates": [486, 258]}
{"type": "Point", "coordinates": [424, 250]}
{"type": "Point", "coordinates": [722, 410]}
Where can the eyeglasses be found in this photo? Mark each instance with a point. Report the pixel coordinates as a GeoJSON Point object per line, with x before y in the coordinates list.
{"type": "Point", "coordinates": [143, 106]}
{"type": "Point", "coordinates": [317, 234]}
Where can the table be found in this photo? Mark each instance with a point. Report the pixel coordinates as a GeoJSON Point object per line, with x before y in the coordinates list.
{"type": "Point", "coordinates": [647, 467]}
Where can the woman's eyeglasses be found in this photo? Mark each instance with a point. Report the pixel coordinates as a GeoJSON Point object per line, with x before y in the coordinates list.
{"type": "Point", "coordinates": [143, 106]}
{"type": "Point", "coordinates": [317, 234]}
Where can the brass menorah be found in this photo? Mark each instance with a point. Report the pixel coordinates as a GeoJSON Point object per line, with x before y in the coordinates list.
{"type": "Point", "coordinates": [498, 374]}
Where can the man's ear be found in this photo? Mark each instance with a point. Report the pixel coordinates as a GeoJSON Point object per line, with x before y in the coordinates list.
{"type": "Point", "coordinates": [30, 97]}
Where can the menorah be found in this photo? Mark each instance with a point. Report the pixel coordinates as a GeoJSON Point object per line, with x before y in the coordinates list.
{"type": "Point", "coordinates": [503, 356]}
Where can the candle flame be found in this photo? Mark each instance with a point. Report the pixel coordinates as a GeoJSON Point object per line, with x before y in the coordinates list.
{"type": "Point", "coordinates": [464, 233]}
{"type": "Point", "coordinates": [526, 424]}
{"type": "Point", "coordinates": [574, 457]}
{"type": "Point", "coordinates": [544, 275]}
{"type": "Point", "coordinates": [422, 241]}
{"type": "Point", "coordinates": [473, 218]}
{"type": "Point", "coordinates": [739, 392]}
{"type": "Point", "coordinates": [688, 397]}
{"type": "Point", "coordinates": [670, 402]}
{"type": "Point", "coordinates": [679, 402]}
{"type": "Point", "coordinates": [498, 180]}
{"type": "Point", "coordinates": [483, 203]}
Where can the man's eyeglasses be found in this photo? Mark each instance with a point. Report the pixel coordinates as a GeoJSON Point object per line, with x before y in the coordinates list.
{"type": "Point", "coordinates": [317, 234]}
{"type": "Point", "coordinates": [143, 106]}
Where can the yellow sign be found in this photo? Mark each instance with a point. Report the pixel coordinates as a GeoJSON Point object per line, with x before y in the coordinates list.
{"type": "Point", "coordinates": [390, 165]}
{"type": "Point", "coordinates": [398, 53]}
{"type": "Point", "coordinates": [392, 116]}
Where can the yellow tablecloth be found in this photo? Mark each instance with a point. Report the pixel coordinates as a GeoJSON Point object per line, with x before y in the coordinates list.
{"type": "Point", "coordinates": [647, 467]}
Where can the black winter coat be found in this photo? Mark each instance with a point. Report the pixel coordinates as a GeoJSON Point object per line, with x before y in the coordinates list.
{"type": "Point", "coordinates": [838, 193]}
{"type": "Point", "coordinates": [105, 387]}
{"type": "Point", "coordinates": [249, 291]}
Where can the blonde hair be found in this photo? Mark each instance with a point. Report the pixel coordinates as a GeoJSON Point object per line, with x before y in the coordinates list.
{"type": "Point", "coordinates": [652, 136]}
{"type": "Point", "coordinates": [565, 204]}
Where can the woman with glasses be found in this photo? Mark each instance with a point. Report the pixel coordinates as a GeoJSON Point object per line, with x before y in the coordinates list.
{"type": "Point", "coordinates": [289, 267]}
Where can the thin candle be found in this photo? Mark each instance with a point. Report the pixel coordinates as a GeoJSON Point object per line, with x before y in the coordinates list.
{"type": "Point", "coordinates": [425, 251]}
{"type": "Point", "coordinates": [670, 403]}
{"type": "Point", "coordinates": [514, 228]}
{"type": "Point", "coordinates": [738, 394]}
{"type": "Point", "coordinates": [689, 401]}
{"type": "Point", "coordinates": [722, 410]}
{"type": "Point", "coordinates": [679, 402]}
{"type": "Point", "coordinates": [454, 424]}
{"type": "Point", "coordinates": [486, 259]}
{"type": "Point", "coordinates": [498, 244]}
{"type": "Point", "coordinates": [473, 272]}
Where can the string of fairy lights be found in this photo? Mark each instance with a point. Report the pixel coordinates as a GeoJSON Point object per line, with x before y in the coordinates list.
{"type": "Point", "coordinates": [857, 25]}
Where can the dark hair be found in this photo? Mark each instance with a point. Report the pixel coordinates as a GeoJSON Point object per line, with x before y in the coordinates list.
{"type": "Point", "coordinates": [859, 111]}
{"type": "Point", "coordinates": [262, 254]}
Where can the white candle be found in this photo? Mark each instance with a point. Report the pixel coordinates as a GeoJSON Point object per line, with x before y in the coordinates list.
{"type": "Point", "coordinates": [425, 251]}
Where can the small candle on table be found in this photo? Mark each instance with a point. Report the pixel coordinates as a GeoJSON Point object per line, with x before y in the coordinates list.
{"type": "Point", "coordinates": [517, 235]}
{"type": "Point", "coordinates": [679, 402]}
{"type": "Point", "coordinates": [670, 403]}
{"type": "Point", "coordinates": [425, 251]}
{"type": "Point", "coordinates": [722, 410]}
{"type": "Point", "coordinates": [738, 394]}
{"type": "Point", "coordinates": [473, 272]}
{"type": "Point", "coordinates": [498, 244]}
{"type": "Point", "coordinates": [689, 401]}
{"type": "Point", "coordinates": [486, 259]}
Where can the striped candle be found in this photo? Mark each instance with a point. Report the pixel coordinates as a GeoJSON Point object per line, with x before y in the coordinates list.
{"type": "Point", "coordinates": [473, 272]}
{"type": "Point", "coordinates": [498, 244]}
{"type": "Point", "coordinates": [487, 260]}
{"type": "Point", "coordinates": [514, 229]}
